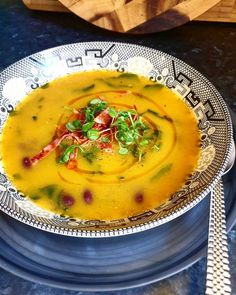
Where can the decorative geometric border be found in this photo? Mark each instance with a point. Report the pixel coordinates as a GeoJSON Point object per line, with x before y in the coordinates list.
{"type": "Point", "coordinates": [97, 55]}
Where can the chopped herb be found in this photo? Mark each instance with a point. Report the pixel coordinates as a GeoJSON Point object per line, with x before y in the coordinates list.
{"type": "Point", "coordinates": [13, 113]}
{"type": "Point", "coordinates": [128, 75]}
{"type": "Point", "coordinates": [89, 156]}
{"type": "Point", "coordinates": [154, 86]}
{"type": "Point", "coordinates": [17, 176]}
{"type": "Point", "coordinates": [45, 86]}
{"type": "Point", "coordinates": [48, 190]}
{"type": "Point", "coordinates": [41, 98]}
{"type": "Point", "coordinates": [35, 197]}
{"type": "Point", "coordinates": [121, 177]}
{"type": "Point", "coordinates": [34, 118]}
{"type": "Point", "coordinates": [159, 116]}
{"type": "Point", "coordinates": [123, 80]}
{"type": "Point", "coordinates": [162, 171]}
{"type": "Point", "coordinates": [87, 88]}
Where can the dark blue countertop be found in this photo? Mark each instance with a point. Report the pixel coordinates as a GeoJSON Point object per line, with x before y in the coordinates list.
{"type": "Point", "coordinates": [208, 47]}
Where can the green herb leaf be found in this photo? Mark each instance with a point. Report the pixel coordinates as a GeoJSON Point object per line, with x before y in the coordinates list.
{"type": "Point", "coordinates": [35, 197]}
{"type": "Point", "coordinates": [123, 151]}
{"type": "Point", "coordinates": [13, 113]}
{"type": "Point", "coordinates": [87, 88]}
{"type": "Point", "coordinates": [74, 125]}
{"type": "Point", "coordinates": [95, 101]}
{"type": "Point", "coordinates": [164, 117]}
{"type": "Point", "coordinates": [87, 126]}
{"type": "Point", "coordinates": [89, 115]}
{"type": "Point", "coordinates": [154, 86]}
{"type": "Point", "coordinates": [48, 190]}
{"type": "Point", "coordinates": [144, 142]}
{"type": "Point", "coordinates": [162, 171]}
{"type": "Point", "coordinates": [46, 85]}
{"type": "Point", "coordinates": [132, 112]}
{"type": "Point", "coordinates": [93, 134]}
{"type": "Point", "coordinates": [65, 157]}
{"type": "Point", "coordinates": [128, 75]}
{"type": "Point", "coordinates": [112, 112]}
{"type": "Point", "coordinates": [90, 155]}
{"type": "Point", "coordinates": [17, 176]}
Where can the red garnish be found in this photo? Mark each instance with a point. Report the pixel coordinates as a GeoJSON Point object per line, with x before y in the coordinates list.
{"type": "Point", "coordinates": [53, 145]}
{"type": "Point", "coordinates": [88, 198]}
{"type": "Point", "coordinates": [103, 118]}
{"type": "Point", "coordinates": [95, 125]}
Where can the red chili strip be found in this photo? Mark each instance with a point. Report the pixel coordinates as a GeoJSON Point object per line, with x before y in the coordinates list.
{"type": "Point", "coordinates": [103, 118]}
{"type": "Point", "coordinates": [51, 147]}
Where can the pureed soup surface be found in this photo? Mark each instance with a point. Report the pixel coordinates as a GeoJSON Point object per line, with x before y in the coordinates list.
{"type": "Point", "coordinates": [100, 145]}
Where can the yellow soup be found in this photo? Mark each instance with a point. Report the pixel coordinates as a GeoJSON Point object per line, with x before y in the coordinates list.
{"type": "Point", "coordinates": [100, 145]}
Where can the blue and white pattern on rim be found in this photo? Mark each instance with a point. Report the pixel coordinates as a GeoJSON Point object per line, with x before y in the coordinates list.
{"type": "Point", "coordinates": [199, 94]}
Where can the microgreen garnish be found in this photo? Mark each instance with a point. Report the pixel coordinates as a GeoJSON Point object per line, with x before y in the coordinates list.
{"type": "Point", "coordinates": [93, 134]}
{"type": "Point", "coordinates": [74, 125]}
{"type": "Point", "coordinates": [112, 112]}
{"type": "Point", "coordinates": [87, 126]}
{"type": "Point", "coordinates": [103, 127]}
{"type": "Point", "coordinates": [123, 151]}
{"type": "Point", "coordinates": [65, 157]}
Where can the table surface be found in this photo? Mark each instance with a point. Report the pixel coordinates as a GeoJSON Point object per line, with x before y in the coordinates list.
{"type": "Point", "coordinates": [208, 47]}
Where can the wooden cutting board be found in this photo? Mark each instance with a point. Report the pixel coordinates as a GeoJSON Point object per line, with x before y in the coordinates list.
{"type": "Point", "coordinates": [133, 16]}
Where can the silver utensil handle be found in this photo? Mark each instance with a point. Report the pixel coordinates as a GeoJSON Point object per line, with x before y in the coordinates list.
{"type": "Point", "coordinates": [218, 272]}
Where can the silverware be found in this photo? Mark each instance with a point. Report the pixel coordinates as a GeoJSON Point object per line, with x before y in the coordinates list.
{"type": "Point", "coordinates": [218, 271]}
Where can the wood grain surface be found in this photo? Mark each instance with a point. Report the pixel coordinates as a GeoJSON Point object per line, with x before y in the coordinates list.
{"type": "Point", "coordinates": [141, 16]}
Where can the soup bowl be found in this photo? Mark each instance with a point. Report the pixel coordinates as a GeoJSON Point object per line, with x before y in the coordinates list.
{"type": "Point", "coordinates": [196, 91]}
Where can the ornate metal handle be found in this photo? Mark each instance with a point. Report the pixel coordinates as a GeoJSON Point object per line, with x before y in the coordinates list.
{"type": "Point", "coordinates": [218, 272]}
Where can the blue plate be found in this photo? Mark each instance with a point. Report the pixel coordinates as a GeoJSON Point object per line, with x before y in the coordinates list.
{"type": "Point", "coordinates": [112, 263]}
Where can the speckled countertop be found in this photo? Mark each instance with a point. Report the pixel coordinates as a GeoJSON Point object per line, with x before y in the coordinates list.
{"type": "Point", "coordinates": [209, 47]}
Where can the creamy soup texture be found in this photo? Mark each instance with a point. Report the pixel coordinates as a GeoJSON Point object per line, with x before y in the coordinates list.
{"type": "Point", "coordinates": [100, 145]}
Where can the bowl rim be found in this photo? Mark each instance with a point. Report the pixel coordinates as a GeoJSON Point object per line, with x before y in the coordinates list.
{"type": "Point", "coordinates": [104, 233]}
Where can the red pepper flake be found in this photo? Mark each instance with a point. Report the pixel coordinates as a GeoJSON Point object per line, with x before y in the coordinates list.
{"type": "Point", "coordinates": [26, 162]}
{"type": "Point", "coordinates": [67, 200]}
{"type": "Point", "coordinates": [88, 197]}
{"type": "Point", "coordinates": [139, 198]}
